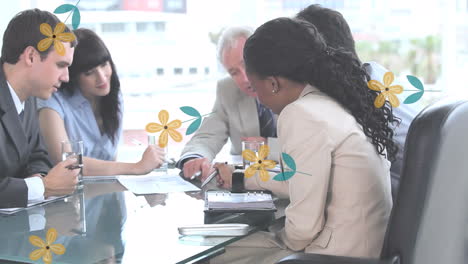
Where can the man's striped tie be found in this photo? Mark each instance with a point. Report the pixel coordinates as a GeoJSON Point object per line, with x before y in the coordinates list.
{"type": "Point", "coordinates": [267, 121]}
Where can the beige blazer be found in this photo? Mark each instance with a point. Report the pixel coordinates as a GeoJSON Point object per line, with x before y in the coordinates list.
{"type": "Point", "coordinates": [340, 198]}
{"type": "Point", "coordinates": [235, 116]}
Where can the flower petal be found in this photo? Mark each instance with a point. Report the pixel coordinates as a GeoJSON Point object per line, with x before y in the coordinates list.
{"type": "Point", "coordinates": [379, 101]}
{"type": "Point", "coordinates": [263, 152]}
{"type": "Point", "coordinates": [264, 176]}
{"type": "Point", "coordinates": [175, 135]}
{"type": "Point", "coordinates": [174, 124]}
{"type": "Point", "coordinates": [47, 257]}
{"type": "Point", "coordinates": [268, 164]}
{"type": "Point", "coordinates": [66, 37]}
{"type": "Point", "coordinates": [163, 139]}
{"type": "Point", "coordinates": [250, 171]}
{"type": "Point", "coordinates": [249, 155]}
{"type": "Point", "coordinates": [396, 89]}
{"type": "Point", "coordinates": [46, 29]}
{"type": "Point", "coordinates": [51, 236]}
{"type": "Point", "coordinates": [388, 78]}
{"type": "Point", "coordinates": [37, 241]}
{"type": "Point", "coordinates": [58, 249]}
{"type": "Point", "coordinates": [255, 165]}
{"type": "Point", "coordinates": [393, 100]}
{"type": "Point", "coordinates": [375, 85]}
{"type": "Point", "coordinates": [59, 28]}
{"type": "Point", "coordinates": [163, 117]}
{"type": "Point", "coordinates": [37, 254]}
{"type": "Point", "coordinates": [153, 127]}
{"type": "Point", "coordinates": [59, 47]}
{"type": "Point", "coordinates": [44, 44]}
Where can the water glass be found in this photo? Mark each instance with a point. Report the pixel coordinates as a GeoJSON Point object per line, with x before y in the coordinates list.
{"type": "Point", "coordinates": [153, 140]}
{"type": "Point", "coordinates": [253, 145]}
{"type": "Point", "coordinates": [74, 149]}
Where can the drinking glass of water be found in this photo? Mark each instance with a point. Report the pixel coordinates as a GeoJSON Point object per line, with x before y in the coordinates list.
{"type": "Point", "coordinates": [152, 140]}
{"type": "Point", "coordinates": [254, 145]}
{"type": "Point", "coordinates": [74, 149]}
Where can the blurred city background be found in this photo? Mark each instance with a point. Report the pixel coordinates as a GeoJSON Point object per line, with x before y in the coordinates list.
{"type": "Point", "coordinates": [165, 50]}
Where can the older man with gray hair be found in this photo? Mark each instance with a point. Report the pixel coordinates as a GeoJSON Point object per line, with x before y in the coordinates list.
{"type": "Point", "coordinates": [235, 110]}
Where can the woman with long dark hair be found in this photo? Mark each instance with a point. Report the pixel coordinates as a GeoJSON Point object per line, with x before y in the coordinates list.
{"type": "Point", "coordinates": [89, 108]}
{"type": "Point", "coordinates": [340, 196]}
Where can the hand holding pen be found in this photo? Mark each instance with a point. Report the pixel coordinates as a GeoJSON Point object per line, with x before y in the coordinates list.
{"type": "Point", "coordinates": [212, 175]}
{"type": "Point", "coordinates": [197, 168]}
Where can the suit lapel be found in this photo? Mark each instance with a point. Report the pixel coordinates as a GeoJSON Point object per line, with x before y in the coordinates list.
{"type": "Point", "coordinates": [9, 117]}
{"type": "Point", "coordinates": [249, 116]}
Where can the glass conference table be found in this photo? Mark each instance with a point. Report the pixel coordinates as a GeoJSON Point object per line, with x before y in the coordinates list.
{"type": "Point", "coordinates": [105, 223]}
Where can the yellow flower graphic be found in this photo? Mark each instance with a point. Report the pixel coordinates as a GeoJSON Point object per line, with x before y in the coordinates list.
{"type": "Point", "coordinates": [260, 164]}
{"type": "Point", "coordinates": [56, 37]}
{"type": "Point", "coordinates": [46, 248]}
{"type": "Point", "coordinates": [166, 128]}
{"type": "Point", "coordinates": [386, 91]}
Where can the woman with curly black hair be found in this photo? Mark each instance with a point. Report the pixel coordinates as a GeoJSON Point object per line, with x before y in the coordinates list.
{"type": "Point", "coordinates": [89, 108]}
{"type": "Point", "coordinates": [340, 197]}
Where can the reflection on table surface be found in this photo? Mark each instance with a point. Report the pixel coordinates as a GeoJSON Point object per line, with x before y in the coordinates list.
{"type": "Point", "coordinates": [107, 224]}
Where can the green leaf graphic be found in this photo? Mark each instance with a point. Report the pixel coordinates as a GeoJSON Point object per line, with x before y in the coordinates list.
{"type": "Point", "coordinates": [284, 176]}
{"type": "Point", "coordinates": [76, 18]}
{"type": "Point", "coordinates": [415, 82]}
{"type": "Point", "coordinates": [289, 161]}
{"type": "Point", "coordinates": [64, 8]}
{"type": "Point", "coordinates": [190, 111]}
{"type": "Point", "coordinates": [194, 126]}
{"type": "Point", "coordinates": [413, 98]}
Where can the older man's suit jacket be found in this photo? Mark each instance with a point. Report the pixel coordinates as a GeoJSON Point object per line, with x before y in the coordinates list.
{"type": "Point", "coordinates": [22, 152]}
{"type": "Point", "coordinates": [235, 116]}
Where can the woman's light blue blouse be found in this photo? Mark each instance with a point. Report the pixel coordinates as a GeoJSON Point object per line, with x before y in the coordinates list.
{"type": "Point", "coordinates": [80, 124]}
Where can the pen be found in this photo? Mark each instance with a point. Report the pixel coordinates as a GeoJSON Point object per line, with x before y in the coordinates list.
{"type": "Point", "coordinates": [136, 142]}
{"type": "Point", "coordinates": [74, 167]}
{"type": "Point", "coordinates": [196, 174]}
{"type": "Point", "coordinates": [212, 175]}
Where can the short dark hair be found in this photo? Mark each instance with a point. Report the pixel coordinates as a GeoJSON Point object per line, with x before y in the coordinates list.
{"type": "Point", "coordinates": [331, 25]}
{"type": "Point", "coordinates": [23, 31]}
{"type": "Point", "coordinates": [92, 52]}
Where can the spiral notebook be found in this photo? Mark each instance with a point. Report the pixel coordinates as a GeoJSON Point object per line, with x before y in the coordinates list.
{"type": "Point", "coordinates": [216, 201]}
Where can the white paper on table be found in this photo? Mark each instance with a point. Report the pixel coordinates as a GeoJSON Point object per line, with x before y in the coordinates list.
{"type": "Point", "coordinates": [149, 184]}
{"type": "Point", "coordinates": [31, 204]}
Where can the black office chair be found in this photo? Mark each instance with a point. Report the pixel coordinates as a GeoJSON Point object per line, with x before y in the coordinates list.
{"type": "Point", "coordinates": [429, 221]}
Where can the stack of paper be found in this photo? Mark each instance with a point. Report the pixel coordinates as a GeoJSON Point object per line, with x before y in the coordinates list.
{"type": "Point", "coordinates": [156, 184]}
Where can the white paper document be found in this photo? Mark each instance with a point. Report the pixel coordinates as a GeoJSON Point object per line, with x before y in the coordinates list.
{"type": "Point", "coordinates": [156, 184]}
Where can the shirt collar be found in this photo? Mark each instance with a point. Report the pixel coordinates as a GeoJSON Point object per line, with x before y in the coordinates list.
{"type": "Point", "coordinates": [18, 104]}
{"type": "Point", "coordinates": [77, 99]}
{"type": "Point", "coordinates": [309, 89]}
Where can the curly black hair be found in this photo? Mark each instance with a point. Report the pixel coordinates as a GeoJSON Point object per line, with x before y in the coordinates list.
{"type": "Point", "coordinates": [295, 50]}
{"type": "Point", "coordinates": [332, 26]}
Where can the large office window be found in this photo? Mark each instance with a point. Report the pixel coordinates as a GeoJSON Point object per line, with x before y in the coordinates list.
{"type": "Point", "coordinates": [165, 52]}
{"type": "Point", "coordinates": [113, 27]}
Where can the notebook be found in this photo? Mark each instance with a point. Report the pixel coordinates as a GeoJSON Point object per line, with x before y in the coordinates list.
{"type": "Point", "coordinates": [217, 201]}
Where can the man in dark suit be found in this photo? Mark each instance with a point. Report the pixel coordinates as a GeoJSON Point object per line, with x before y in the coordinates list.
{"type": "Point", "coordinates": [26, 73]}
